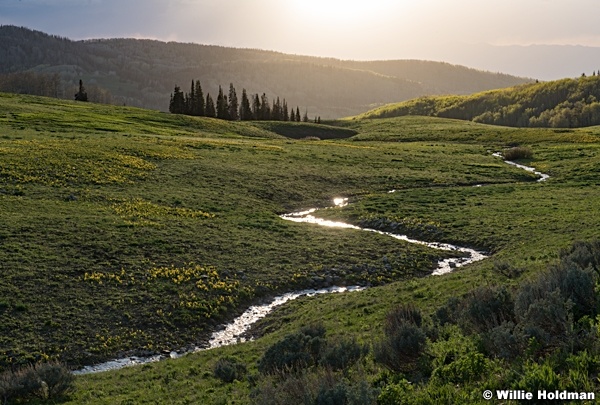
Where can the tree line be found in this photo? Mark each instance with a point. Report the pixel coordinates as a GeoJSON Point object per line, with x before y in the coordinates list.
{"type": "Point", "coordinates": [230, 107]}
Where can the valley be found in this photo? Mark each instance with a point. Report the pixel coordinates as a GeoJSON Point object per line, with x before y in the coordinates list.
{"type": "Point", "coordinates": [129, 232]}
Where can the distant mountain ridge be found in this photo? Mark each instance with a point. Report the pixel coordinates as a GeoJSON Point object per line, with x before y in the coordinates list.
{"type": "Point", "coordinates": [543, 62]}
{"type": "Point", "coordinates": [566, 103]}
{"type": "Point", "coordinates": [143, 72]}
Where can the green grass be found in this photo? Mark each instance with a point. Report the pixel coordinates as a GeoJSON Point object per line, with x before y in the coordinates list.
{"type": "Point", "coordinates": [566, 103]}
{"type": "Point", "coordinates": [125, 229]}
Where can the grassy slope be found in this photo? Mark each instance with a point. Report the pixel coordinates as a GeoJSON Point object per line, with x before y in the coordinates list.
{"type": "Point", "coordinates": [79, 199]}
{"type": "Point", "coordinates": [561, 103]}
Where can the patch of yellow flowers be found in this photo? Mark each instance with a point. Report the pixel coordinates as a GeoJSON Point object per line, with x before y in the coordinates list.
{"type": "Point", "coordinates": [138, 211]}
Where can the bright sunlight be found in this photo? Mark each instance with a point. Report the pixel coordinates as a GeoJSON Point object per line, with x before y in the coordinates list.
{"type": "Point", "coordinates": [339, 11]}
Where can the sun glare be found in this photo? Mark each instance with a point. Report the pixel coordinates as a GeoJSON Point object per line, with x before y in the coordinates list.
{"type": "Point", "coordinates": [339, 10]}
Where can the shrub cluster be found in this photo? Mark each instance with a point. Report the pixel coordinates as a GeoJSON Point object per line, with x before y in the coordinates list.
{"type": "Point", "coordinates": [518, 152]}
{"type": "Point", "coordinates": [305, 368]}
{"type": "Point", "coordinates": [317, 387]}
{"type": "Point", "coordinates": [45, 381]}
{"type": "Point", "coordinates": [294, 352]}
{"type": "Point", "coordinates": [229, 369]}
{"type": "Point", "coordinates": [540, 335]}
{"type": "Point", "coordinates": [404, 339]}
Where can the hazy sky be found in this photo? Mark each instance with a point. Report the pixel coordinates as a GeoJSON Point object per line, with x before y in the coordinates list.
{"type": "Point", "coordinates": [363, 30]}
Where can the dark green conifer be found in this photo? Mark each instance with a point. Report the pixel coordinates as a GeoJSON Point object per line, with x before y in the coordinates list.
{"type": "Point", "coordinates": [199, 100]}
{"type": "Point", "coordinates": [222, 107]}
{"type": "Point", "coordinates": [265, 109]}
{"type": "Point", "coordinates": [245, 109]}
{"type": "Point", "coordinates": [233, 105]}
{"type": "Point", "coordinates": [209, 108]}
{"type": "Point", "coordinates": [276, 113]}
{"type": "Point", "coordinates": [192, 101]}
{"type": "Point", "coordinates": [256, 107]}
{"type": "Point", "coordinates": [177, 105]}
{"type": "Point", "coordinates": [81, 95]}
{"type": "Point", "coordinates": [285, 112]}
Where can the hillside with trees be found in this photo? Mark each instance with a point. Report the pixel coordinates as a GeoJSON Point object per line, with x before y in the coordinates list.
{"type": "Point", "coordinates": [566, 103]}
{"type": "Point", "coordinates": [142, 73]}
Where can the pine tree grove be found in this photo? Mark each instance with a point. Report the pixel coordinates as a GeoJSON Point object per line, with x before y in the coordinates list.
{"type": "Point", "coordinates": [228, 107]}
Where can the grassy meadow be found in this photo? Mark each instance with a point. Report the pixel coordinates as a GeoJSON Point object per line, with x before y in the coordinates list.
{"type": "Point", "coordinates": [128, 231]}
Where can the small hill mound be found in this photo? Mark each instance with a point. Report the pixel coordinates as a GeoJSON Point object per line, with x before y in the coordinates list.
{"type": "Point", "coordinates": [301, 130]}
{"type": "Point", "coordinates": [566, 103]}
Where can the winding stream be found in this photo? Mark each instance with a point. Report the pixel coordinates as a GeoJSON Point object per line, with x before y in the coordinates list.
{"type": "Point", "coordinates": [444, 266]}
{"type": "Point", "coordinates": [542, 176]}
{"type": "Point", "coordinates": [232, 333]}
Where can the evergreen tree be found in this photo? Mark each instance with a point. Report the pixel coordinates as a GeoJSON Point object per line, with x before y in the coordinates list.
{"type": "Point", "coordinates": [265, 109]}
{"type": "Point", "coordinates": [233, 106]}
{"type": "Point", "coordinates": [286, 114]}
{"type": "Point", "coordinates": [209, 110]}
{"type": "Point", "coordinates": [177, 105]}
{"type": "Point", "coordinates": [192, 102]}
{"type": "Point", "coordinates": [187, 104]}
{"type": "Point", "coordinates": [256, 107]}
{"type": "Point", "coordinates": [297, 114]}
{"type": "Point", "coordinates": [199, 100]}
{"type": "Point", "coordinates": [292, 116]}
{"type": "Point", "coordinates": [222, 107]}
{"type": "Point", "coordinates": [81, 95]}
{"type": "Point", "coordinates": [275, 115]}
{"type": "Point", "coordinates": [305, 117]}
{"type": "Point", "coordinates": [245, 109]}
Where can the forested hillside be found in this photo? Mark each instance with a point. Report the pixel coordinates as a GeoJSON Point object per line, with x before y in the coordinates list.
{"type": "Point", "coordinates": [144, 72]}
{"type": "Point", "coordinates": [567, 103]}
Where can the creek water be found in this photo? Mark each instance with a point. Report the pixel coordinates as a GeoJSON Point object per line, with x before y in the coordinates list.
{"type": "Point", "coordinates": [444, 266]}
{"type": "Point", "coordinates": [542, 176]}
{"type": "Point", "coordinates": [233, 332]}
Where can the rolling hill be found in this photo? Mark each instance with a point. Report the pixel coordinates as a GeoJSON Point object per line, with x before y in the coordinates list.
{"type": "Point", "coordinates": [566, 103]}
{"type": "Point", "coordinates": [143, 73]}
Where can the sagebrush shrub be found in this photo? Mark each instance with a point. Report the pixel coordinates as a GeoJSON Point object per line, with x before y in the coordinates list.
{"type": "Point", "coordinates": [518, 152]}
{"type": "Point", "coordinates": [545, 319]}
{"type": "Point", "coordinates": [294, 352]}
{"type": "Point", "coordinates": [342, 354]}
{"type": "Point", "coordinates": [584, 254]}
{"type": "Point", "coordinates": [229, 369]}
{"type": "Point", "coordinates": [401, 315]}
{"type": "Point", "coordinates": [501, 342]}
{"type": "Point", "coordinates": [44, 380]}
{"type": "Point", "coordinates": [404, 340]}
{"type": "Point", "coordinates": [488, 307]}
{"type": "Point", "coordinates": [314, 386]}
